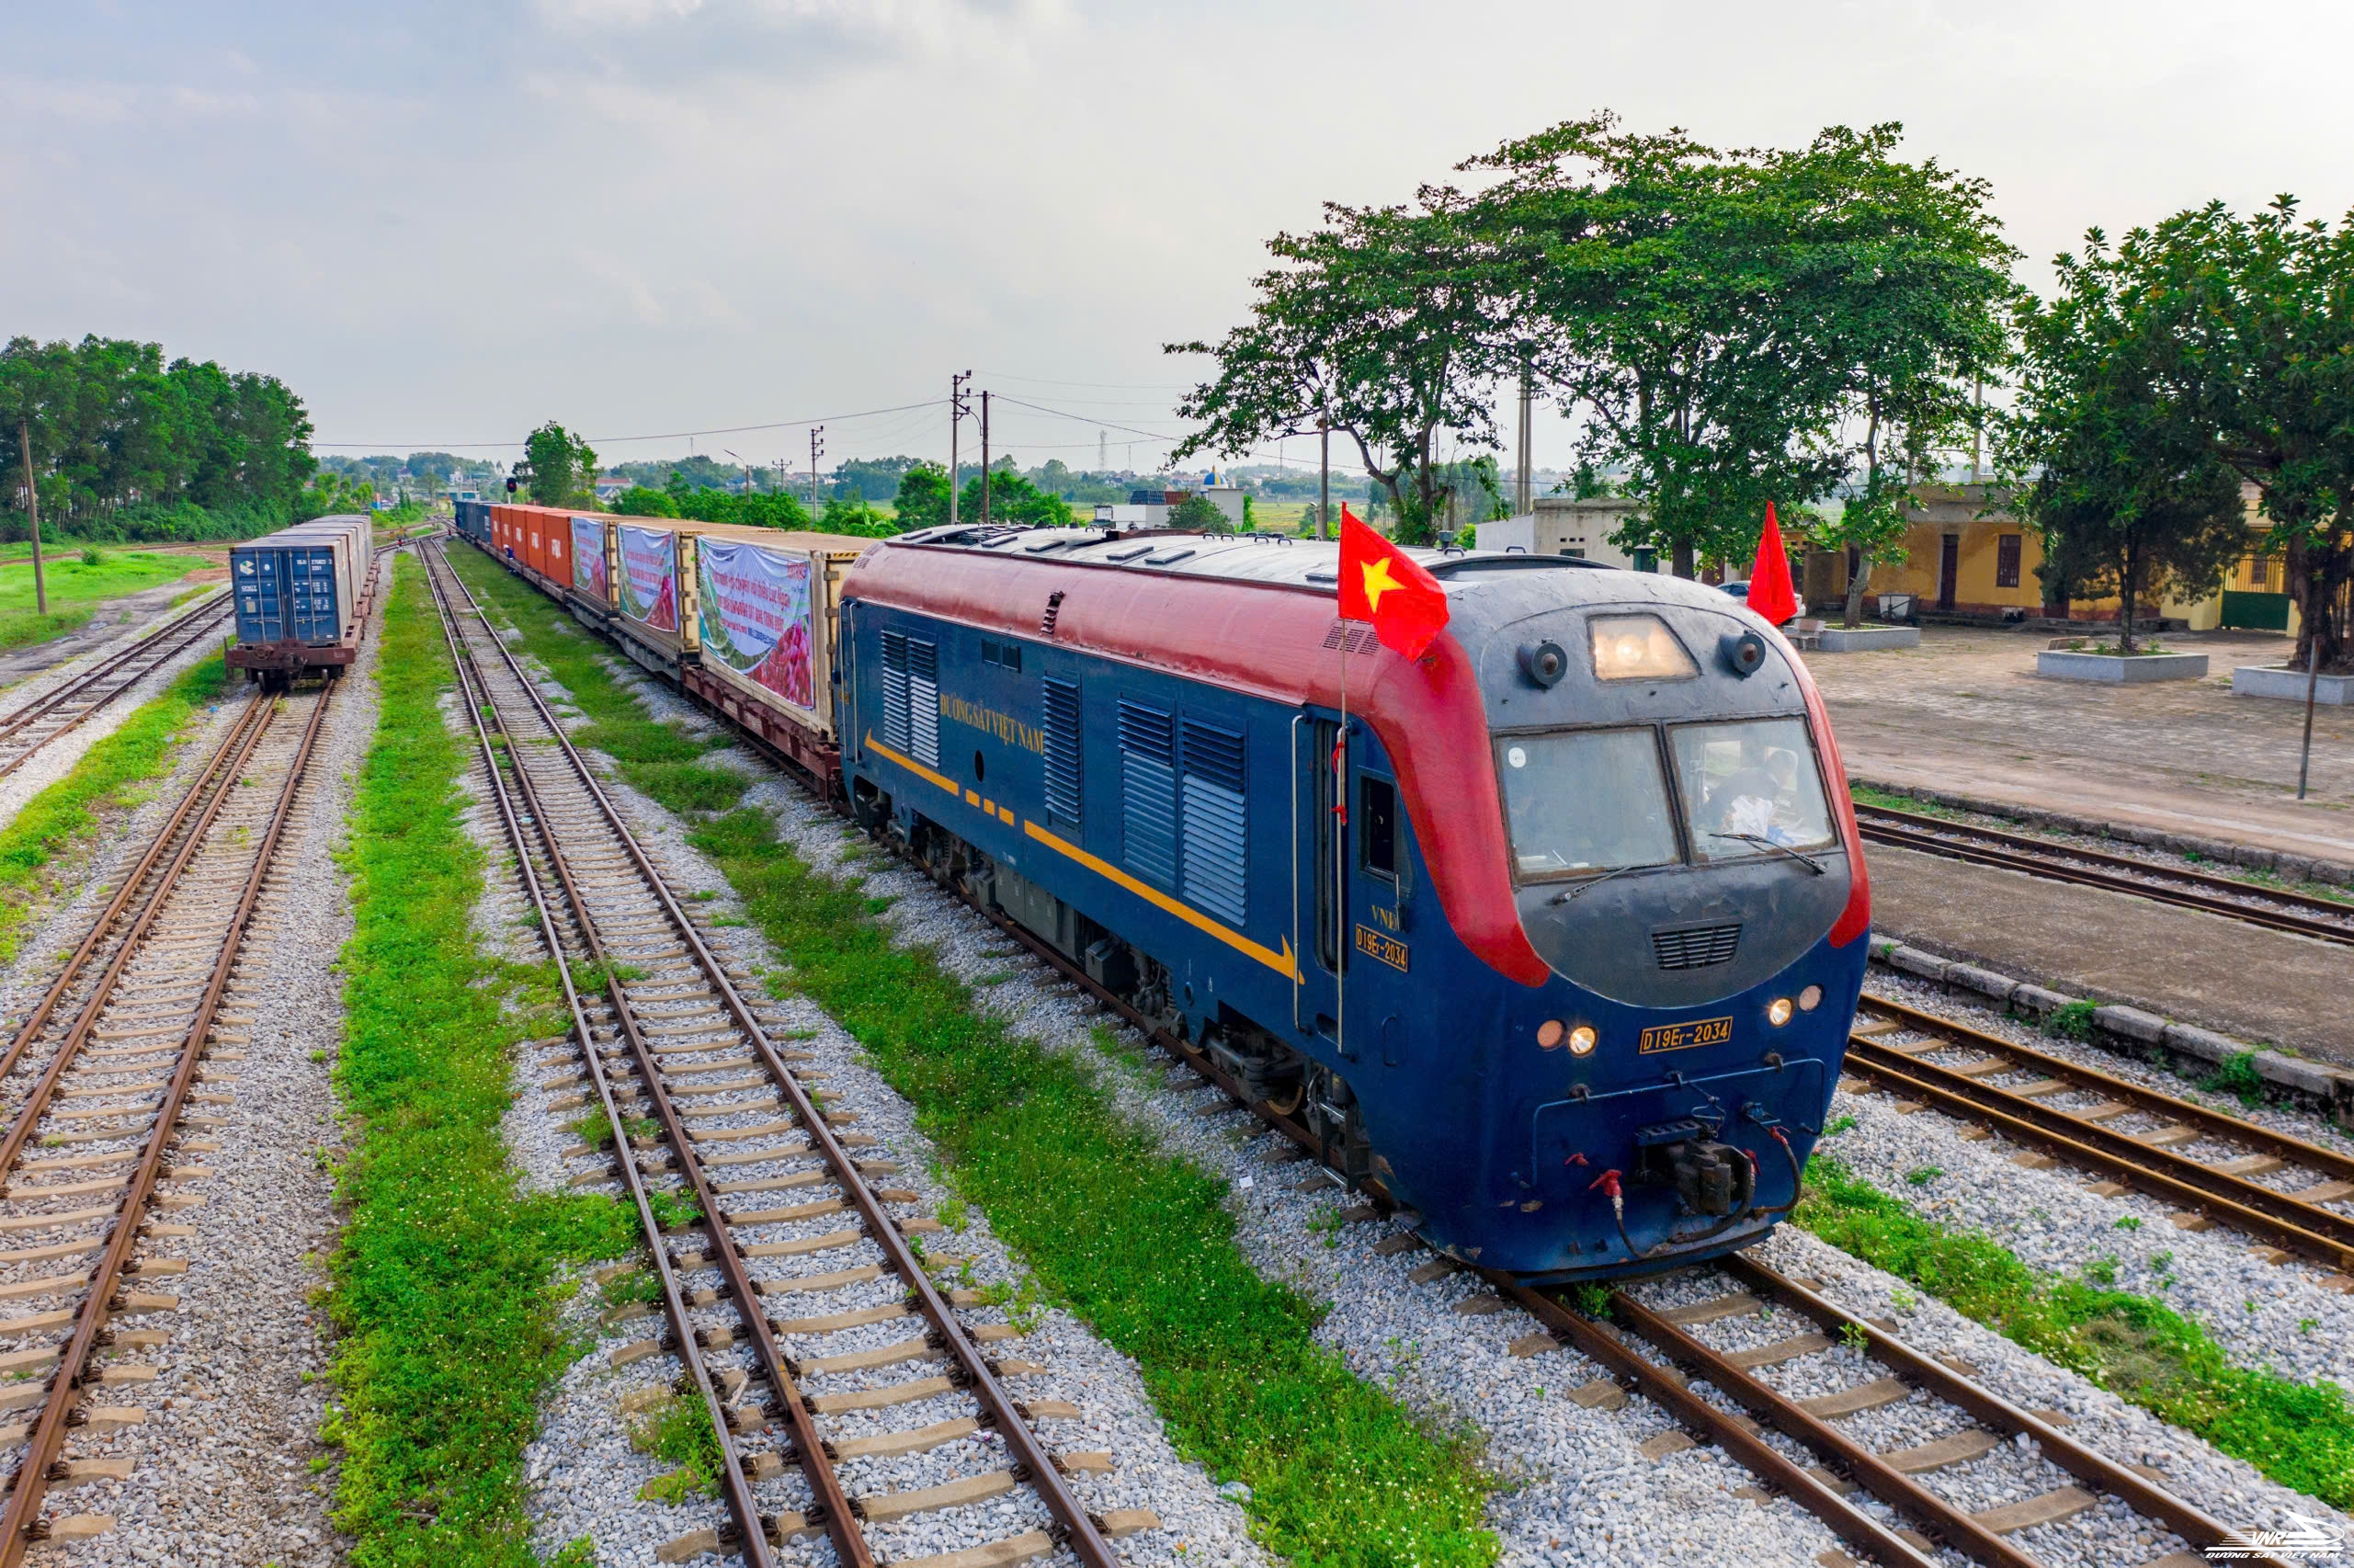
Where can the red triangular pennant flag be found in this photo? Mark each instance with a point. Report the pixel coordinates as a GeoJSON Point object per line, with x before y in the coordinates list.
{"type": "Point", "coordinates": [1770, 594]}
{"type": "Point", "coordinates": [1381, 584]}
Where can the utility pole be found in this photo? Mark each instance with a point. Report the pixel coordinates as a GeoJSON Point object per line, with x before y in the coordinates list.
{"type": "Point", "coordinates": [1524, 500]}
{"type": "Point", "coordinates": [1977, 425]}
{"type": "Point", "coordinates": [33, 511]}
{"type": "Point", "coordinates": [816, 445]}
{"type": "Point", "coordinates": [956, 419]}
{"type": "Point", "coordinates": [985, 459]}
{"type": "Point", "coordinates": [1103, 458]}
{"type": "Point", "coordinates": [1324, 477]}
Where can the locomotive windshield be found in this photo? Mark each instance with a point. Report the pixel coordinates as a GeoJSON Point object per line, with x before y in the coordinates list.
{"type": "Point", "coordinates": [1749, 785]}
{"type": "Point", "coordinates": [1587, 800]}
{"type": "Point", "coordinates": [1584, 803]}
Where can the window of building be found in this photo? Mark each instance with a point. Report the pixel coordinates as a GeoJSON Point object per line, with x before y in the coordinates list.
{"type": "Point", "coordinates": [2007, 561]}
{"type": "Point", "coordinates": [2259, 572]}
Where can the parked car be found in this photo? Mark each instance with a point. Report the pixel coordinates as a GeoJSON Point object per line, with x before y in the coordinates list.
{"type": "Point", "coordinates": [1741, 591]}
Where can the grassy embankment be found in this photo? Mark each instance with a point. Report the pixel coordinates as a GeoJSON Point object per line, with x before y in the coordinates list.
{"type": "Point", "coordinates": [1133, 1242]}
{"type": "Point", "coordinates": [77, 587]}
{"type": "Point", "coordinates": [2301, 1435]}
{"type": "Point", "coordinates": [442, 1281]}
{"type": "Point", "coordinates": [65, 815]}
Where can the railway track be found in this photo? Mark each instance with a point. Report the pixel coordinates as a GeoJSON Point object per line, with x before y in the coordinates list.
{"type": "Point", "coordinates": [107, 1087]}
{"type": "Point", "coordinates": [1838, 1471]}
{"type": "Point", "coordinates": [2286, 1195]}
{"type": "Point", "coordinates": [1898, 1505]}
{"type": "Point", "coordinates": [26, 729]}
{"type": "Point", "coordinates": [2276, 909]}
{"type": "Point", "coordinates": [701, 1115]}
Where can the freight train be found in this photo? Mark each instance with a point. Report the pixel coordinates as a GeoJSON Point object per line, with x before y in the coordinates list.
{"type": "Point", "coordinates": [302, 597]}
{"type": "Point", "coordinates": [1555, 933]}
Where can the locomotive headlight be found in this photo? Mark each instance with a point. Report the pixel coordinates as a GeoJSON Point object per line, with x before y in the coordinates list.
{"type": "Point", "coordinates": [1810, 999]}
{"type": "Point", "coordinates": [1779, 1010]}
{"type": "Point", "coordinates": [1580, 1041]}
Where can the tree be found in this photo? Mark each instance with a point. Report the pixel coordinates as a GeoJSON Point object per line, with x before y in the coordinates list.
{"type": "Point", "coordinates": [37, 388]}
{"type": "Point", "coordinates": [564, 469]}
{"type": "Point", "coordinates": [856, 517]}
{"type": "Point", "coordinates": [2257, 355]}
{"type": "Point", "coordinates": [1200, 515]}
{"type": "Point", "coordinates": [1013, 499]}
{"type": "Point", "coordinates": [923, 499]}
{"type": "Point", "coordinates": [1385, 322]}
{"type": "Point", "coordinates": [1717, 317]}
{"type": "Point", "coordinates": [646, 501]}
{"type": "Point", "coordinates": [2126, 492]}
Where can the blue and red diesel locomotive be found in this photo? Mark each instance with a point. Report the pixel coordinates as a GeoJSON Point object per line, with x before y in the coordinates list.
{"type": "Point", "coordinates": [1557, 932]}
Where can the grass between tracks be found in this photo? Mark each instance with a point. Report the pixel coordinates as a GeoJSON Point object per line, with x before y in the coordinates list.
{"type": "Point", "coordinates": [2300, 1435]}
{"type": "Point", "coordinates": [145, 746]}
{"type": "Point", "coordinates": [442, 1281]}
{"type": "Point", "coordinates": [1131, 1241]}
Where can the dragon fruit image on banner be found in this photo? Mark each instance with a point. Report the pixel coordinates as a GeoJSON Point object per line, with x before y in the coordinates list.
{"type": "Point", "coordinates": [650, 577]}
{"type": "Point", "coordinates": [754, 614]}
{"type": "Point", "coordinates": [588, 557]}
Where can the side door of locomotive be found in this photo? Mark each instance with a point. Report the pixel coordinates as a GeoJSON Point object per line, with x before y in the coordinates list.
{"type": "Point", "coordinates": [1353, 896]}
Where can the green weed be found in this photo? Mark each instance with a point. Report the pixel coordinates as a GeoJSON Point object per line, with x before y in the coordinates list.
{"type": "Point", "coordinates": [1137, 1243]}
{"type": "Point", "coordinates": [2301, 1435]}
{"type": "Point", "coordinates": [2072, 1021]}
{"type": "Point", "coordinates": [2237, 1076]}
{"type": "Point", "coordinates": [442, 1287]}
{"type": "Point", "coordinates": [679, 1431]}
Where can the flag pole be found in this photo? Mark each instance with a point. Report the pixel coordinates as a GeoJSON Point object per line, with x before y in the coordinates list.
{"type": "Point", "coordinates": [1340, 862]}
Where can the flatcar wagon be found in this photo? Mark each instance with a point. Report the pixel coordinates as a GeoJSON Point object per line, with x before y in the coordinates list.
{"type": "Point", "coordinates": [301, 594]}
{"type": "Point", "coordinates": [1556, 932]}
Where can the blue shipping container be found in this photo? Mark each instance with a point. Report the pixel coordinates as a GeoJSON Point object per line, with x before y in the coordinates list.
{"type": "Point", "coordinates": [288, 594]}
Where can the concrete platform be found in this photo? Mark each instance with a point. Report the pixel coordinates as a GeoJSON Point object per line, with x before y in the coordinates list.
{"type": "Point", "coordinates": [2116, 669]}
{"type": "Point", "coordinates": [1965, 712]}
{"type": "Point", "coordinates": [2278, 681]}
{"type": "Point", "coordinates": [1867, 638]}
{"type": "Point", "coordinates": [2261, 986]}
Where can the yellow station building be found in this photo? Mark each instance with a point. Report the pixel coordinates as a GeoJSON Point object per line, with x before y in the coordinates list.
{"type": "Point", "coordinates": [1966, 556]}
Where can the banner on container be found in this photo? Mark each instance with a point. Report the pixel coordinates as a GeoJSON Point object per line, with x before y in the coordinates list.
{"type": "Point", "coordinates": [754, 615]}
{"type": "Point", "coordinates": [650, 577]}
{"type": "Point", "coordinates": [588, 556]}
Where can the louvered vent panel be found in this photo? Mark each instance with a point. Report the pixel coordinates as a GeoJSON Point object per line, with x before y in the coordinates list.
{"type": "Point", "coordinates": [924, 702]}
{"type": "Point", "coordinates": [1215, 848]}
{"type": "Point", "coordinates": [895, 691]}
{"type": "Point", "coordinates": [1148, 792]}
{"type": "Point", "coordinates": [1696, 946]}
{"type": "Point", "coordinates": [1059, 723]}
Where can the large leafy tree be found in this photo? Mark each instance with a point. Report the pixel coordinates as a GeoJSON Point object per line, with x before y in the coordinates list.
{"type": "Point", "coordinates": [1735, 329]}
{"type": "Point", "coordinates": [2126, 490]}
{"type": "Point", "coordinates": [1385, 323]}
{"type": "Point", "coordinates": [2257, 360]}
{"type": "Point", "coordinates": [923, 500]}
{"type": "Point", "coordinates": [562, 467]}
{"type": "Point", "coordinates": [1012, 499]}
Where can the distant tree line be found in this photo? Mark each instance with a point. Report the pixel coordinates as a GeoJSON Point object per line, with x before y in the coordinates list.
{"type": "Point", "coordinates": [124, 444]}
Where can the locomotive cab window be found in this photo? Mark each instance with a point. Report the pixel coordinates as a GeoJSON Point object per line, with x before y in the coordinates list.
{"type": "Point", "coordinates": [1585, 802]}
{"type": "Point", "coordinates": [1377, 826]}
{"type": "Point", "coordinates": [1750, 787]}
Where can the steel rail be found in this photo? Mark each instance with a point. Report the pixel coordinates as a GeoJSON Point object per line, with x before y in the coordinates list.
{"type": "Point", "coordinates": [2282, 1146]}
{"type": "Point", "coordinates": [195, 622]}
{"type": "Point", "coordinates": [2047, 868]}
{"type": "Point", "coordinates": [17, 1523]}
{"type": "Point", "coordinates": [2272, 1217]}
{"type": "Point", "coordinates": [1034, 1464]}
{"type": "Point", "coordinates": [1922, 822]}
{"type": "Point", "coordinates": [1991, 1410]}
{"type": "Point", "coordinates": [751, 1529]}
{"type": "Point", "coordinates": [226, 759]}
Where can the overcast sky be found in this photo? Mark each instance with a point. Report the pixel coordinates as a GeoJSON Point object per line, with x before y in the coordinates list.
{"type": "Point", "coordinates": [443, 223]}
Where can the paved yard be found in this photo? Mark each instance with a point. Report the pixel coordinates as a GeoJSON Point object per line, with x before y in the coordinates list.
{"type": "Point", "coordinates": [1966, 712]}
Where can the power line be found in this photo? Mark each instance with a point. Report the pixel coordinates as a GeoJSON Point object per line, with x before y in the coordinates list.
{"type": "Point", "coordinates": [669, 435]}
{"type": "Point", "coordinates": [1113, 386]}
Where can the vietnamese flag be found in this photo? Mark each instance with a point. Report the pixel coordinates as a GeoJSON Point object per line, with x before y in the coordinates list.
{"type": "Point", "coordinates": [1770, 594]}
{"type": "Point", "coordinates": [1381, 584]}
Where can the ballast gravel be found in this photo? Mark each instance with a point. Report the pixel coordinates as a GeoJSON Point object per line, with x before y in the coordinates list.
{"type": "Point", "coordinates": [2281, 1315]}
{"type": "Point", "coordinates": [583, 1475]}
{"type": "Point", "coordinates": [1576, 1484]}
